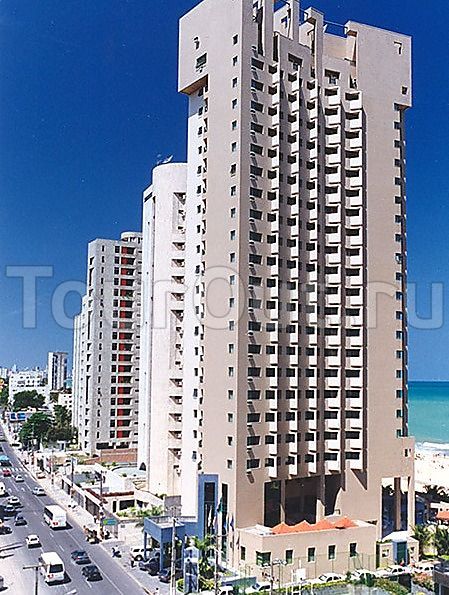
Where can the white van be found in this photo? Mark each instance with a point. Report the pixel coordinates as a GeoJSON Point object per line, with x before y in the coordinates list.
{"type": "Point", "coordinates": [52, 567]}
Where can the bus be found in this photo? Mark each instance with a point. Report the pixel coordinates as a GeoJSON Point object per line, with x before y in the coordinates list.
{"type": "Point", "coordinates": [55, 517]}
{"type": "Point", "coordinates": [52, 567]}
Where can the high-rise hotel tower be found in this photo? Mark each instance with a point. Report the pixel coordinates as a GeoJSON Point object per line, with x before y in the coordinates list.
{"type": "Point", "coordinates": [293, 404]}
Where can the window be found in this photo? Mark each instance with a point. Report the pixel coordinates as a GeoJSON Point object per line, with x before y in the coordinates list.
{"type": "Point", "coordinates": [234, 103]}
{"type": "Point", "coordinates": [331, 552]}
{"type": "Point", "coordinates": [235, 59]}
{"type": "Point", "coordinates": [353, 550]}
{"type": "Point", "coordinates": [398, 46]}
{"type": "Point", "coordinates": [234, 125]}
{"type": "Point", "coordinates": [234, 82]}
{"type": "Point", "coordinates": [233, 147]}
{"type": "Point", "coordinates": [242, 552]}
{"type": "Point", "coordinates": [263, 558]}
{"type": "Point", "coordinates": [289, 556]}
{"type": "Point", "coordinates": [235, 41]}
{"type": "Point", "coordinates": [311, 556]}
{"type": "Point", "coordinates": [229, 464]}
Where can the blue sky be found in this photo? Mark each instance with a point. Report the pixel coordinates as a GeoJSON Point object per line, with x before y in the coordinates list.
{"type": "Point", "coordinates": [88, 104]}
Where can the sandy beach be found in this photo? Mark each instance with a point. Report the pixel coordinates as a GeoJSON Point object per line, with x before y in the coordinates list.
{"type": "Point", "coordinates": [431, 465]}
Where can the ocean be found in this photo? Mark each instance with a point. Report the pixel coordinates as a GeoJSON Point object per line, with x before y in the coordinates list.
{"type": "Point", "coordinates": [429, 412]}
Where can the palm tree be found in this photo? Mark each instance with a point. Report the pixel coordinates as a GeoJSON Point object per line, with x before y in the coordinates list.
{"type": "Point", "coordinates": [423, 535]}
{"type": "Point", "coordinates": [441, 541]}
{"type": "Point", "coordinates": [204, 546]}
{"type": "Point", "coordinates": [436, 493]}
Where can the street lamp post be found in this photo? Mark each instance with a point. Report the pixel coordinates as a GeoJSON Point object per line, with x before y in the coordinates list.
{"type": "Point", "coordinates": [34, 567]}
{"type": "Point", "coordinates": [173, 557]}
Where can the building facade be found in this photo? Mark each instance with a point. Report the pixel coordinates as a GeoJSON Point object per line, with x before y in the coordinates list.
{"type": "Point", "coordinates": [106, 346]}
{"type": "Point", "coordinates": [28, 380]}
{"type": "Point", "coordinates": [56, 370]}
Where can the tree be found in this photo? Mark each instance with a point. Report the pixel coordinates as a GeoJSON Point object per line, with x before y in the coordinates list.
{"type": "Point", "coordinates": [37, 427]}
{"type": "Point", "coordinates": [436, 493]}
{"type": "Point", "coordinates": [204, 546]}
{"type": "Point", "coordinates": [424, 537]}
{"type": "Point", "coordinates": [4, 396]}
{"type": "Point", "coordinates": [62, 424]}
{"type": "Point", "coordinates": [28, 399]}
{"type": "Point", "coordinates": [441, 541]}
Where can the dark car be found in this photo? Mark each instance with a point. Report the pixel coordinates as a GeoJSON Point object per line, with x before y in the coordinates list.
{"type": "Point", "coordinates": [20, 520]}
{"type": "Point", "coordinates": [4, 530]}
{"type": "Point", "coordinates": [82, 558]}
{"type": "Point", "coordinates": [92, 573]}
{"type": "Point", "coordinates": [165, 575]}
{"type": "Point", "coordinates": [7, 473]}
{"type": "Point", "coordinates": [76, 553]}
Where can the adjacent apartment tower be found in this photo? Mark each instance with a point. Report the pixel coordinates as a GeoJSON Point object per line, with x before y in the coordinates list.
{"type": "Point", "coordinates": [56, 370]}
{"type": "Point", "coordinates": [274, 345]}
{"type": "Point", "coordinates": [106, 346]}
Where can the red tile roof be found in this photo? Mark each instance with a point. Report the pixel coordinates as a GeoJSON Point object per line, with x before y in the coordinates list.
{"type": "Point", "coordinates": [323, 525]}
{"type": "Point", "coordinates": [443, 515]}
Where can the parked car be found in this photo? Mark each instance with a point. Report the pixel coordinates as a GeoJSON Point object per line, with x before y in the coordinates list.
{"type": "Point", "coordinates": [92, 573]}
{"type": "Point", "coordinates": [13, 501]}
{"type": "Point", "coordinates": [5, 530]}
{"type": "Point", "coordinates": [19, 479]}
{"type": "Point", "coordinates": [392, 571]}
{"type": "Point", "coordinates": [9, 510]}
{"type": "Point", "coordinates": [7, 473]}
{"type": "Point", "coordinates": [165, 574]}
{"type": "Point", "coordinates": [40, 475]}
{"type": "Point", "coordinates": [328, 577]}
{"type": "Point", "coordinates": [426, 566]}
{"type": "Point", "coordinates": [16, 444]}
{"type": "Point", "coordinates": [138, 554]}
{"type": "Point", "coordinates": [38, 491]}
{"type": "Point", "coordinates": [81, 557]}
{"type": "Point", "coordinates": [258, 587]}
{"type": "Point", "coordinates": [20, 520]}
{"type": "Point", "coordinates": [33, 541]}
{"type": "Point", "coordinates": [362, 574]}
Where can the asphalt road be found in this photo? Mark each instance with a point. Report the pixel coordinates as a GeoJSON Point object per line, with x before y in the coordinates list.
{"type": "Point", "coordinates": [14, 553]}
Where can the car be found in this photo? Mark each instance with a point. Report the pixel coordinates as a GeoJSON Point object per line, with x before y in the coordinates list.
{"type": "Point", "coordinates": [38, 491]}
{"type": "Point", "coordinates": [16, 444]}
{"type": "Point", "coordinates": [7, 473]}
{"type": "Point", "coordinates": [392, 571]}
{"type": "Point", "coordinates": [5, 530]}
{"type": "Point", "coordinates": [40, 475]}
{"type": "Point", "coordinates": [92, 573]}
{"type": "Point", "coordinates": [328, 577]}
{"type": "Point", "coordinates": [138, 553]}
{"type": "Point", "coordinates": [2, 438]}
{"type": "Point", "coordinates": [13, 501]}
{"type": "Point", "coordinates": [165, 575]}
{"type": "Point", "coordinates": [19, 479]}
{"type": "Point", "coordinates": [33, 541]}
{"type": "Point", "coordinates": [258, 587]}
{"type": "Point", "coordinates": [426, 567]}
{"type": "Point", "coordinates": [81, 557]}
{"type": "Point", "coordinates": [20, 520]}
{"type": "Point", "coordinates": [9, 510]}
{"type": "Point", "coordinates": [362, 574]}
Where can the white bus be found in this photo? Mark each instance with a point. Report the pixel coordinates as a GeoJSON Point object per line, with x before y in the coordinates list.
{"type": "Point", "coordinates": [52, 567]}
{"type": "Point", "coordinates": [55, 516]}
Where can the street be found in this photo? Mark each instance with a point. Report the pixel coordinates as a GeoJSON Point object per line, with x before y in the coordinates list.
{"type": "Point", "coordinates": [14, 553]}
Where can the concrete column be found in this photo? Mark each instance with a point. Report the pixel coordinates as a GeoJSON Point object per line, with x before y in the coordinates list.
{"type": "Point", "coordinates": [411, 502]}
{"type": "Point", "coordinates": [397, 503]}
{"type": "Point", "coordinates": [321, 498]}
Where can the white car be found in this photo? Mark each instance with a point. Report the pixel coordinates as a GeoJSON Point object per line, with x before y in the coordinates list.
{"type": "Point", "coordinates": [395, 570]}
{"type": "Point", "coordinates": [33, 541]}
{"type": "Point", "coordinates": [19, 479]}
{"type": "Point", "coordinates": [261, 587]}
{"type": "Point", "coordinates": [425, 566]}
{"type": "Point", "coordinates": [362, 574]}
{"type": "Point", "coordinates": [13, 501]}
{"type": "Point", "coordinates": [328, 577]}
{"type": "Point", "coordinates": [38, 491]}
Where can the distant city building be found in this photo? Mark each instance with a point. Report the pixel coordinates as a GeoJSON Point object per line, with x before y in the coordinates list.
{"type": "Point", "coordinates": [106, 346]}
{"type": "Point", "coordinates": [274, 359]}
{"type": "Point", "coordinates": [4, 373]}
{"type": "Point", "coordinates": [27, 380]}
{"type": "Point", "coordinates": [57, 370]}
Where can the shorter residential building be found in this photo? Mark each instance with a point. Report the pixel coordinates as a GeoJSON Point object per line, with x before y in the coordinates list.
{"type": "Point", "coordinates": [397, 548]}
{"type": "Point", "coordinates": [23, 380]}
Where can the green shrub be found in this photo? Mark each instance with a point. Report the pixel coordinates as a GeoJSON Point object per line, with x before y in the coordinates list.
{"type": "Point", "coordinates": [391, 587]}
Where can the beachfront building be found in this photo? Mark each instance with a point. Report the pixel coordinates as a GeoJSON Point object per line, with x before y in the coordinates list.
{"type": "Point", "coordinates": [106, 346]}
{"type": "Point", "coordinates": [290, 392]}
{"type": "Point", "coordinates": [56, 370]}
